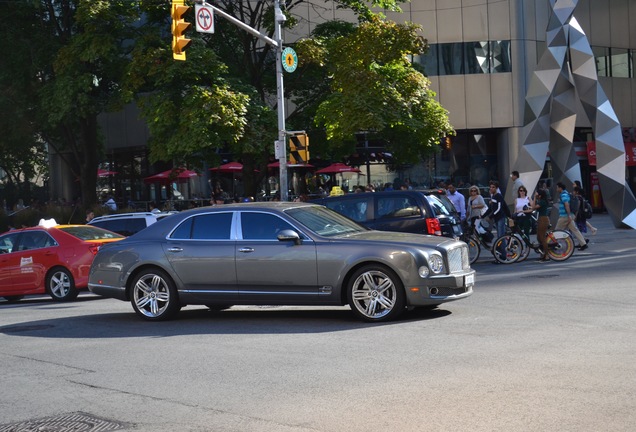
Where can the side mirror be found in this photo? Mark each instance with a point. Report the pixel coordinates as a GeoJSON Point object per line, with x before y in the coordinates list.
{"type": "Point", "coordinates": [289, 235]}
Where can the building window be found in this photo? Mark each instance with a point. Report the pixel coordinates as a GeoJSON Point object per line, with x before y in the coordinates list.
{"type": "Point", "coordinates": [468, 58]}
{"type": "Point", "coordinates": [621, 63]}
{"type": "Point", "coordinates": [500, 57]}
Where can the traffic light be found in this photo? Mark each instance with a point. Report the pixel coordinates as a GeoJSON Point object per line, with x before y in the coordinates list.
{"type": "Point", "coordinates": [299, 149]}
{"type": "Point", "coordinates": [179, 27]}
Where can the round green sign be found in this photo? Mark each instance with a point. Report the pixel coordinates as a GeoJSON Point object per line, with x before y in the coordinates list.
{"type": "Point", "coordinates": [289, 59]}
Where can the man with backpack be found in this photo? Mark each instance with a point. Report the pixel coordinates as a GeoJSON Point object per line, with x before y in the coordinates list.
{"type": "Point", "coordinates": [567, 218]}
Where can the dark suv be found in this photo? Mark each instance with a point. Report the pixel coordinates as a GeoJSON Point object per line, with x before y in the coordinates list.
{"type": "Point", "coordinates": [415, 211]}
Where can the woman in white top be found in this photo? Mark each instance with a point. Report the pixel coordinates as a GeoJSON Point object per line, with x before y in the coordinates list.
{"type": "Point", "coordinates": [523, 208]}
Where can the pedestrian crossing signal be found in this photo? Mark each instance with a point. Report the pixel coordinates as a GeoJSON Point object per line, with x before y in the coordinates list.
{"type": "Point", "coordinates": [299, 149]}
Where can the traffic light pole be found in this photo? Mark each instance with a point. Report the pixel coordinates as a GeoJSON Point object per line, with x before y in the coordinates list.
{"type": "Point", "coordinates": [277, 43]}
{"type": "Point", "coordinates": [280, 101]}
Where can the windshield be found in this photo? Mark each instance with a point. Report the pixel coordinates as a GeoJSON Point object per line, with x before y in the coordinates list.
{"type": "Point", "coordinates": [324, 222]}
{"type": "Point", "coordinates": [441, 205]}
{"type": "Point", "coordinates": [88, 232]}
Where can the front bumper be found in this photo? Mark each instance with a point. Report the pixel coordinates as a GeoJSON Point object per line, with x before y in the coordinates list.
{"type": "Point", "coordinates": [441, 289]}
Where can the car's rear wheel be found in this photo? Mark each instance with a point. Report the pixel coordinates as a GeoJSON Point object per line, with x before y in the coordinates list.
{"type": "Point", "coordinates": [14, 298]}
{"type": "Point", "coordinates": [376, 294]}
{"type": "Point", "coordinates": [60, 284]}
{"type": "Point", "coordinates": [154, 296]}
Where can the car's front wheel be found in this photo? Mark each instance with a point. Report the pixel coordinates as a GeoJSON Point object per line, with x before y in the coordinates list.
{"type": "Point", "coordinates": [60, 285]}
{"type": "Point", "coordinates": [154, 296]}
{"type": "Point", "coordinates": [376, 294]}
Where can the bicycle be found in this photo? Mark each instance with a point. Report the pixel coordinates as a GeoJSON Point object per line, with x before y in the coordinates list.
{"type": "Point", "coordinates": [475, 241]}
{"type": "Point", "coordinates": [560, 244]}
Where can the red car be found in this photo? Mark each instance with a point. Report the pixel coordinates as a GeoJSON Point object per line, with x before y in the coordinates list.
{"type": "Point", "coordinates": [52, 260]}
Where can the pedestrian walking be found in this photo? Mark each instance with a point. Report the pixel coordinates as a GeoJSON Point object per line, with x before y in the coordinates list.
{"type": "Point", "coordinates": [458, 200]}
{"type": "Point", "coordinates": [516, 183]}
{"type": "Point", "coordinates": [542, 207]}
{"type": "Point", "coordinates": [581, 193]}
{"type": "Point", "coordinates": [566, 217]}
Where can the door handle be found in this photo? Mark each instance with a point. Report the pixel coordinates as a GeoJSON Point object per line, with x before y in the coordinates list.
{"type": "Point", "coordinates": [246, 250]}
{"type": "Point", "coordinates": [175, 249]}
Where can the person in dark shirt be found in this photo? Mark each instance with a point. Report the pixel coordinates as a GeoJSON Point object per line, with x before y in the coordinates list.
{"type": "Point", "coordinates": [498, 211]}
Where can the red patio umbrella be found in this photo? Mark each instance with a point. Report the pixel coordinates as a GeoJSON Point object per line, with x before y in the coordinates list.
{"type": "Point", "coordinates": [179, 175]}
{"type": "Point", "coordinates": [105, 173]}
{"type": "Point", "coordinates": [230, 167]}
{"type": "Point", "coordinates": [337, 168]}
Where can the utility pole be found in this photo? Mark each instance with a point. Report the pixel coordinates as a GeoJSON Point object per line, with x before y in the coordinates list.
{"type": "Point", "coordinates": [281, 144]}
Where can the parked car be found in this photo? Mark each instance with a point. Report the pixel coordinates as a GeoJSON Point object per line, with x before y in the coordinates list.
{"type": "Point", "coordinates": [410, 211]}
{"type": "Point", "coordinates": [128, 224]}
{"type": "Point", "coordinates": [279, 253]}
{"type": "Point", "coordinates": [54, 260]}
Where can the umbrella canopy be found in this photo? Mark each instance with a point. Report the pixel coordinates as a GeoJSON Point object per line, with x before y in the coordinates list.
{"type": "Point", "coordinates": [337, 168]}
{"type": "Point", "coordinates": [277, 165]}
{"type": "Point", "coordinates": [105, 173]}
{"type": "Point", "coordinates": [180, 175]}
{"type": "Point", "coordinates": [230, 167]}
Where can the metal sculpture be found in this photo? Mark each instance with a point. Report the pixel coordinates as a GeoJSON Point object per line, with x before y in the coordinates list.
{"type": "Point", "coordinates": [567, 70]}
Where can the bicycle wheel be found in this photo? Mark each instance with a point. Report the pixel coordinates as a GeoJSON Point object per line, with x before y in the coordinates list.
{"type": "Point", "coordinates": [525, 251]}
{"type": "Point", "coordinates": [473, 249]}
{"type": "Point", "coordinates": [560, 245]}
{"type": "Point", "coordinates": [507, 249]}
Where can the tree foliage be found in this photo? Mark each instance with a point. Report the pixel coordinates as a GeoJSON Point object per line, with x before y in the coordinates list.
{"type": "Point", "coordinates": [375, 88]}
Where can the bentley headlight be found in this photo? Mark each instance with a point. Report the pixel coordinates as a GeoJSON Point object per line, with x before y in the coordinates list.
{"type": "Point", "coordinates": [436, 263]}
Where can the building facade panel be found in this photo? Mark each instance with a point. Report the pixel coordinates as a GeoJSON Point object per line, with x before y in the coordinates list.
{"type": "Point", "coordinates": [449, 25]}
{"type": "Point", "coordinates": [619, 17]}
{"type": "Point", "coordinates": [478, 101]}
{"type": "Point", "coordinates": [600, 24]}
{"type": "Point", "coordinates": [504, 104]}
{"type": "Point", "coordinates": [499, 21]}
{"type": "Point", "coordinates": [475, 23]}
{"type": "Point", "coordinates": [452, 97]}
{"type": "Point", "coordinates": [617, 92]}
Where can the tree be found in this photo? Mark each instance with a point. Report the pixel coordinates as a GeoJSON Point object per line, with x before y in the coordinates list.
{"type": "Point", "coordinates": [375, 88]}
{"type": "Point", "coordinates": [75, 53]}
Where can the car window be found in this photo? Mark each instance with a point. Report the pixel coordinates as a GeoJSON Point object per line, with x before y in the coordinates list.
{"type": "Point", "coordinates": [323, 221]}
{"type": "Point", "coordinates": [397, 206]}
{"type": "Point", "coordinates": [211, 226]}
{"type": "Point", "coordinates": [7, 242]}
{"type": "Point", "coordinates": [35, 240]}
{"type": "Point", "coordinates": [353, 208]}
{"type": "Point", "coordinates": [89, 232]}
{"type": "Point", "coordinates": [441, 205]}
{"type": "Point", "coordinates": [262, 226]}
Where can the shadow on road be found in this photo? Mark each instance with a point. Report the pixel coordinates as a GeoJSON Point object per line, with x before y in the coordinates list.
{"type": "Point", "coordinates": [194, 321]}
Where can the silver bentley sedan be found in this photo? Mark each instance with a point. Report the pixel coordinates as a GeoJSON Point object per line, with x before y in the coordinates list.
{"type": "Point", "coordinates": [279, 253]}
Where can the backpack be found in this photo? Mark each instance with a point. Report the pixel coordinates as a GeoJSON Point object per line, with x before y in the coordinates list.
{"type": "Point", "coordinates": [587, 209]}
{"type": "Point", "coordinates": [575, 204]}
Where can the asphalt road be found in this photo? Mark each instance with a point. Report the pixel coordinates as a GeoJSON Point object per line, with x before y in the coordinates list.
{"type": "Point", "coordinates": [538, 347]}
